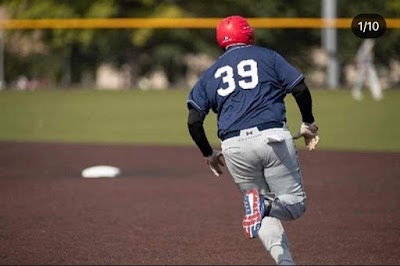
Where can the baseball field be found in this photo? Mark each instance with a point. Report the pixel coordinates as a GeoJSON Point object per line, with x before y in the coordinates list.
{"type": "Point", "coordinates": [167, 207]}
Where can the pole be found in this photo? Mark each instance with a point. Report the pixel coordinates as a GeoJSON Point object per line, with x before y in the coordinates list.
{"type": "Point", "coordinates": [2, 83]}
{"type": "Point", "coordinates": [329, 44]}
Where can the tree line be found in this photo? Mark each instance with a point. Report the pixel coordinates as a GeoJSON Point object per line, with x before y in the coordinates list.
{"type": "Point", "coordinates": [63, 55]}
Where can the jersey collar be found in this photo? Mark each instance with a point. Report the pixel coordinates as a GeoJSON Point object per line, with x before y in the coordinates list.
{"type": "Point", "coordinates": [229, 47]}
{"type": "Point", "coordinates": [234, 47]}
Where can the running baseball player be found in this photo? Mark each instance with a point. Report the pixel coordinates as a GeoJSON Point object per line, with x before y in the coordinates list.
{"type": "Point", "coordinates": [246, 88]}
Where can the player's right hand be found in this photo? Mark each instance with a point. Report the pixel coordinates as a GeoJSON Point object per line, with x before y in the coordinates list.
{"type": "Point", "coordinates": [215, 161]}
{"type": "Point", "coordinates": [310, 133]}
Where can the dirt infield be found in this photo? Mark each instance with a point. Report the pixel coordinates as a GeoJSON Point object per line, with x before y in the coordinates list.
{"type": "Point", "coordinates": [167, 208]}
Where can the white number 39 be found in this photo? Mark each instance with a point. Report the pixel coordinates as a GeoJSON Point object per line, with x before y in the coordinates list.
{"type": "Point", "coordinates": [246, 69]}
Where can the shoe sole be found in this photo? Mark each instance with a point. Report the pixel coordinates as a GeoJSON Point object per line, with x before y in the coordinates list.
{"type": "Point", "coordinates": [254, 205]}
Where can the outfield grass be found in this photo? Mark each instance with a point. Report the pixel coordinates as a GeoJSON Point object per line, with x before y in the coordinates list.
{"type": "Point", "coordinates": [160, 118]}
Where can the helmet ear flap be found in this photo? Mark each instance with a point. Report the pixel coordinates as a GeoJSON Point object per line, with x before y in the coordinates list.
{"type": "Point", "coordinates": [251, 38]}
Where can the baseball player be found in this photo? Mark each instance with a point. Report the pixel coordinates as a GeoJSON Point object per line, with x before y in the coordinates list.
{"type": "Point", "coordinates": [246, 88]}
{"type": "Point", "coordinates": [366, 69]}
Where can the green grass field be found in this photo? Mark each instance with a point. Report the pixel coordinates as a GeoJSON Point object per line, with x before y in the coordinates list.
{"type": "Point", "coordinates": [160, 118]}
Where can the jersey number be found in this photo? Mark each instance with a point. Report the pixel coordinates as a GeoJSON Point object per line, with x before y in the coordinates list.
{"type": "Point", "coordinates": [245, 69]}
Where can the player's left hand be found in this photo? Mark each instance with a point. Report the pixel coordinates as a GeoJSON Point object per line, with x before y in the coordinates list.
{"type": "Point", "coordinates": [310, 133]}
{"type": "Point", "coordinates": [215, 161]}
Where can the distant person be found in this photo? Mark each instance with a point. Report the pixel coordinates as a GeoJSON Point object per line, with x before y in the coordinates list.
{"type": "Point", "coordinates": [246, 88]}
{"type": "Point", "coordinates": [366, 72]}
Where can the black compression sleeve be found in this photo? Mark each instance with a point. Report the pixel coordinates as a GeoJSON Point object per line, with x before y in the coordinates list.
{"type": "Point", "coordinates": [303, 98]}
{"type": "Point", "coordinates": [196, 130]}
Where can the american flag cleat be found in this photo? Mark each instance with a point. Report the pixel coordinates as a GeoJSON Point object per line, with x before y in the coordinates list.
{"type": "Point", "coordinates": [255, 208]}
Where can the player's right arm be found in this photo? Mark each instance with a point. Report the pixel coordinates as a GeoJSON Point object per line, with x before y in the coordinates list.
{"type": "Point", "coordinates": [304, 101]}
{"type": "Point", "coordinates": [308, 129]}
{"type": "Point", "coordinates": [293, 82]}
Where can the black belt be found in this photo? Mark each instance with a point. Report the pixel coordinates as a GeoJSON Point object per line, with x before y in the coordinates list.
{"type": "Point", "coordinates": [261, 127]}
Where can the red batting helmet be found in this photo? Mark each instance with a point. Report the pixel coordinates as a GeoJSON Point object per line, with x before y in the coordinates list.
{"type": "Point", "coordinates": [232, 30]}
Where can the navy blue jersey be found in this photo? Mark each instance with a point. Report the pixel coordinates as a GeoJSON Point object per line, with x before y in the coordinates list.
{"type": "Point", "coordinates": [245, 87]}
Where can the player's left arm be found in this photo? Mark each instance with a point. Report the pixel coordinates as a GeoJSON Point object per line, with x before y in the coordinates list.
{"type": "Point", "coordinates": [196, 130]}
{"type": "Point", "coordinates": [199, 106]}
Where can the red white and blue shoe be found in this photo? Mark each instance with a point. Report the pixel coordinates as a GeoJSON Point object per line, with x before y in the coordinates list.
{"type": "Point", "coordinates": [255, 208]}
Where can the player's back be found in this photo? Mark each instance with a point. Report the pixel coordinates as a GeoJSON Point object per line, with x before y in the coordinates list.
{"type": "Point", "coordinates": [246, 87]}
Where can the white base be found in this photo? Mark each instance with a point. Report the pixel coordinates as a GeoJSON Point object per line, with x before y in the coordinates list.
{"type": "Point", "coordinates": [99, 171]}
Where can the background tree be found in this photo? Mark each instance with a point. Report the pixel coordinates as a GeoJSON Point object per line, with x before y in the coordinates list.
{"type": "Point", "coordinates": [62, 55]}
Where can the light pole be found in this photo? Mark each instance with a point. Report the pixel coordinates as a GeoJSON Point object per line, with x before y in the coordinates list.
{"type": "Point", "coordinates": [329, 43]}
{"type": "Point", "coordinates": [2, 83]}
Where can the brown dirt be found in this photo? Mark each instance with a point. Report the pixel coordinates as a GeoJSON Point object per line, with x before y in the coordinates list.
{"type": "Point", "coordinates": [167, 208]}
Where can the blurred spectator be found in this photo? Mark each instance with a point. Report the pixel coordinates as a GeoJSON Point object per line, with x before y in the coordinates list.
{"type": "Point", "coordinates": [366, 72]}
{"type": "Point", "coordinates": [22, 83]}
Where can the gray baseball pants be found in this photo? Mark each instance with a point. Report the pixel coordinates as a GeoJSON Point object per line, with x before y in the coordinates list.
{"type": "Point", "coordinates": [267, 161]}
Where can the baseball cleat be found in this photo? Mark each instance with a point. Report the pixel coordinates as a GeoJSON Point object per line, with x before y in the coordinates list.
{"type": "Point", "coordinates": [255, 208]}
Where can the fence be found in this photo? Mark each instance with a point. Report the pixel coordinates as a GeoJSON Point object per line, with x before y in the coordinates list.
{"type": "Point", "coordinates": [132, 75]}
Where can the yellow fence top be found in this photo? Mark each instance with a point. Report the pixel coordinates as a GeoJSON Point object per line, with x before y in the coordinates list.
{"type": "Point", "coordinates": [199, 23]}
